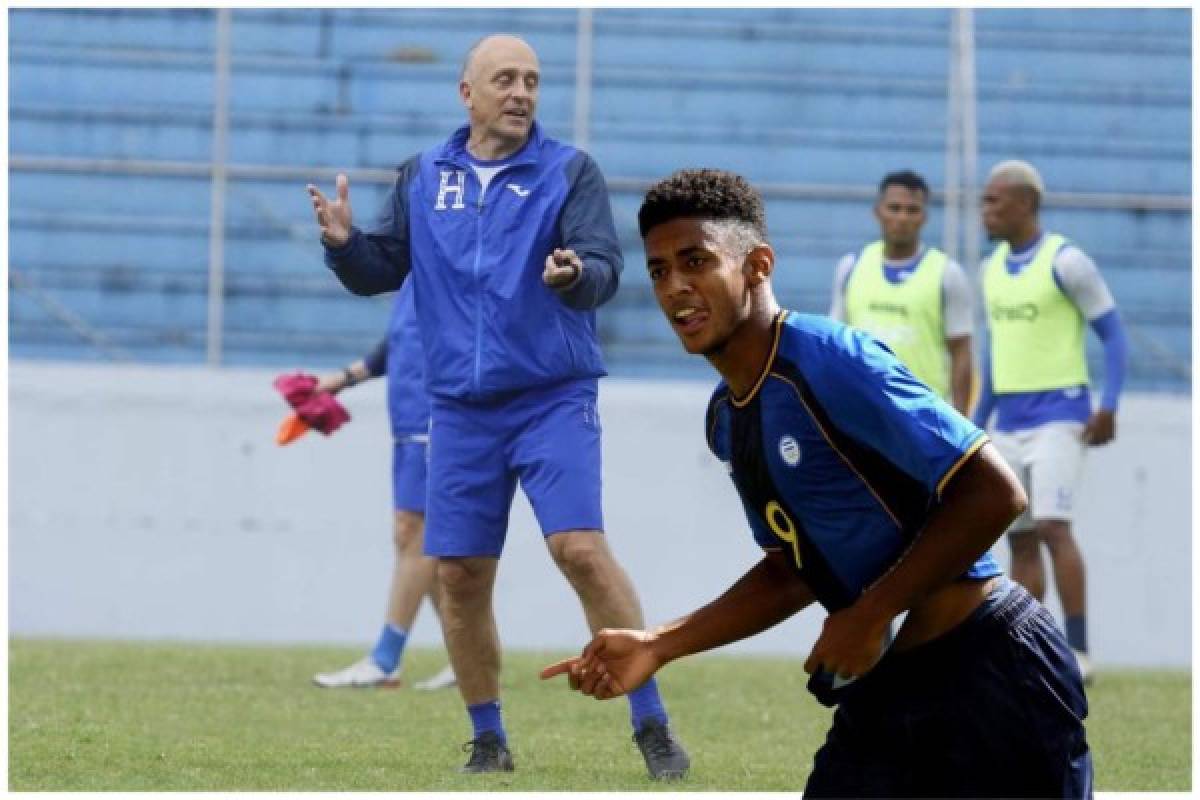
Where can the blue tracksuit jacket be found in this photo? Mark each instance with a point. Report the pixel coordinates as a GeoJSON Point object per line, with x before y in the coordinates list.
{"type": "Point", "coordinates": [489, 326]}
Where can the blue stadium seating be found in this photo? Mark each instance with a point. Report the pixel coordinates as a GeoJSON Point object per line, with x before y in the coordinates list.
{"type": "Point", "coordinates": [1099, 99]}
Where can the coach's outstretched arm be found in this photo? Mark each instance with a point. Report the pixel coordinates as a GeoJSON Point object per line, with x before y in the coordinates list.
{"type": "Point", "coordinates": [619, 661]}
{"type": "Point", "coordinates": [587, 269]}
{"type": "Point", "coordinates": [366, 263]}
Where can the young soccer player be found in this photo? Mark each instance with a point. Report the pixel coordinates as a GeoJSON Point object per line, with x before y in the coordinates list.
{"type": "Point", "coordinates": [872, 497]}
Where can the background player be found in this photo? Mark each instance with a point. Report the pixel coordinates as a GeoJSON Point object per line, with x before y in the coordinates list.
{"type": "Point", "coordinates": [873, 497]}
{"type": "Point", "coordinates": [908, 294]}
{"type": "Point", "coordinates": [398, 356]}
{"type": "Point", "coordinates": [1039, 288]}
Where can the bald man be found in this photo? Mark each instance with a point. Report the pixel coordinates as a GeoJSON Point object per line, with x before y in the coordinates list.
{"type": "Point", "coordinates": [509, 238]}
{"type": "Point", "coordinates": [1040, 289]}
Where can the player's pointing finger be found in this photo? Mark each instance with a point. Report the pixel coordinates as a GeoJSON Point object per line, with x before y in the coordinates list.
{"type": "Point", "coordinates": [558, 668]}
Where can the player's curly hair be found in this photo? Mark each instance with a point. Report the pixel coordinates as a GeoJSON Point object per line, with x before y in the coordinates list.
{"type": "Point", "coordinates": [706, 194]}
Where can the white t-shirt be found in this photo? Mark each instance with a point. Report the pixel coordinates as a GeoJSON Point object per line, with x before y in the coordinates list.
{"type": "Point", "coordinates": [485, 175]}
{"type": "Point", "coordinates": [956, 294]}
{"type": "Point", "coordinates": [1082, 283]}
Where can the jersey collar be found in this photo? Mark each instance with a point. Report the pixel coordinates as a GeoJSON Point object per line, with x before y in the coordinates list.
{"type": "Point", "coordinates": [740, 402]}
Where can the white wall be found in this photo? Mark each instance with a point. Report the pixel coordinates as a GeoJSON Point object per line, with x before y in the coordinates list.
{"type": "Point", "coordinates": [150, 502]}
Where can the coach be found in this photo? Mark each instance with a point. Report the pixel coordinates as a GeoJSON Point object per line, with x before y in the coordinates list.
{"type": "Point", "coordinates": [509, 238]}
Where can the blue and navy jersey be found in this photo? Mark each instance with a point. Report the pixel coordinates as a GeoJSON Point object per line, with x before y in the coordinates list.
{"type": "Point", "coordinates": [489, 325]}
{"type": "Point", "coordinates": [839, 455]}
{"type": "Point", "coordinates": [399, 356]}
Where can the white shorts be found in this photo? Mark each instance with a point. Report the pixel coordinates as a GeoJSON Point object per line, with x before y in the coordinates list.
{"type": "Point", "coordinates": [1049, 461]}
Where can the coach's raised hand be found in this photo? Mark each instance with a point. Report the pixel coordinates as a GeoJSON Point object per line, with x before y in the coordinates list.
{"type": "Point", "coordinates": [333, 217]}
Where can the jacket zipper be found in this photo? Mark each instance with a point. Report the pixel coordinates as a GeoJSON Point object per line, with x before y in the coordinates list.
{"type": "Point", "coordinates": [478, 286]}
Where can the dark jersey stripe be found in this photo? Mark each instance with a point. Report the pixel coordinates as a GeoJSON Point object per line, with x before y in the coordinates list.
{"type": "Point", "coordinates": [905, 498]}
{"type": "Point", "coordinates": [752, 475]}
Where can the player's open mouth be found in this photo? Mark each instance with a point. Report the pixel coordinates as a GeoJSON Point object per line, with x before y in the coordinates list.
{"type": "Point", "coordinates": [689, 320]}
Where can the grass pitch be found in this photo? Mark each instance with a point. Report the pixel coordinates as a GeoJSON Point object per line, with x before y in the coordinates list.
{"type": "Point", "coordinates": [92, 716]}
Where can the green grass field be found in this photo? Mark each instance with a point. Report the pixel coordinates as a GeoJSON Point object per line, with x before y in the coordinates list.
{"type": "Point", "coordinates": [97, 716]}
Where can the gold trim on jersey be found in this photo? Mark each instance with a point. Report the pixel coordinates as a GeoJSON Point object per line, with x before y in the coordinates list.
{"type": "Point", "coordinates": [950, 473]}
{"type": "Point", "coordinates": [766, 369]}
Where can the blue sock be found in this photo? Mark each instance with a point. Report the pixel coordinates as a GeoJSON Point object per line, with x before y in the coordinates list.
{"type": "Point", "coordinates": [644, 704]}
{"type": "Point", "coordinates": [389, 648]}
{"type": "Point", "coordinates": [1077, 633]}
{"type": "Point", "coordinates": [486, 717]}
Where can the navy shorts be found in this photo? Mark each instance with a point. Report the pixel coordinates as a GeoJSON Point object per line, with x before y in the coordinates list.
{"type": "Point", "coordinates": [994, 708]}
{"type": "Point", "coordinates": [408, 473]}
{"type": "Point", "coordinates": [546, 438]}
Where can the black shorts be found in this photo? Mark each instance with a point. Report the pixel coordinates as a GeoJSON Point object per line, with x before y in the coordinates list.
{"type": "Point", "coordinates": [994, 708]}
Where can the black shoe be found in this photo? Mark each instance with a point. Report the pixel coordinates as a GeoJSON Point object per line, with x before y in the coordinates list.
{"type": "Point", "coordinates": [489, 753]}
{"type": "Point", "coordinates": [665, 757]}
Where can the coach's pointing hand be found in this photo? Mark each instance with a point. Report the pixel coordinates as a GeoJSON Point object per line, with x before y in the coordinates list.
{"type": "Point", "coordinates": [333, 217]}
{"type": "Point", "coordinates": [562, 268]}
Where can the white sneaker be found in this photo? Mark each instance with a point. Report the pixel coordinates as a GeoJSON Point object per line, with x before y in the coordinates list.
{"type": "Point", "coordinates": [1085, 667]}
{"type": "Point", "coordinates": [361, 674]}
{"type": "Point", "coordinates": [443, 680]}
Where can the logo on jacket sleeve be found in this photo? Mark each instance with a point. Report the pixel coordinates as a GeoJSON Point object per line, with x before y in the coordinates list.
{"type": "Point", "coordinates": [789, 451]}
{"type": "Point", "coordinates": [453, 182]}
{"type": "Point", "coordinates": [518, 190]}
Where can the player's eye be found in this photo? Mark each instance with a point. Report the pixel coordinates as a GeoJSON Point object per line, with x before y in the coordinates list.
{"type": "Point", "coordinates": [656, 273]}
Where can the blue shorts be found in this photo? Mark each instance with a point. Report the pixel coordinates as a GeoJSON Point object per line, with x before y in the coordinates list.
{"type": "Point", "coordinates": [547, 438]}
{"type": "Point", "coordinates": [994, 708]}
{"type": "Point", "coordinates": [408, 473]}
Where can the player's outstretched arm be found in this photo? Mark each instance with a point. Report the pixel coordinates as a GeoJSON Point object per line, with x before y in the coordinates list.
{"type": "Point", "coordinates": [978, 504]}
{"type": "Point", "coordinates": [619, 661]}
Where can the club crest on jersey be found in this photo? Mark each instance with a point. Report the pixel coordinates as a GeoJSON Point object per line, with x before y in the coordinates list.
{"type": "Point", "coordinates": [789, 450]}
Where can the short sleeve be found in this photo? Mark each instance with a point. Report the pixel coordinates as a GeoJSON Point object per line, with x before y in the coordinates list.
{"type": "Point", "coordinates": [874, 399]}
{"type": "Point", "coordinates": [841, 275]}
{"type": "Point", "coordinates": [1081, 281]}
{"type": "Point", "coordinates": [956, 302]}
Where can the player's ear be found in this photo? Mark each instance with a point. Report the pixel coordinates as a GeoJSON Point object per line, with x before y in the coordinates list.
{"type": "Point", "coordinates": [464, 93]}
{"type": "Point", "coordinates": [759, 264]}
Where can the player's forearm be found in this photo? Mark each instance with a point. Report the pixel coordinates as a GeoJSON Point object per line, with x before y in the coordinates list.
{"type": "Point", "coordinates": [349, 376]}
{"type": "Point", "coordinates": [1112, 334]}
{"type": "Point", "coordinates": [762, 598]}
{"type": "Point", "coordinates": [978, 505]}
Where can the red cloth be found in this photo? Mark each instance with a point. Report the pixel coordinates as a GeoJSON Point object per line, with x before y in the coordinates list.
{"type": "Point", "coordinates": [296, 388]}
{"type": "Point", "coordinates": [321, 410]}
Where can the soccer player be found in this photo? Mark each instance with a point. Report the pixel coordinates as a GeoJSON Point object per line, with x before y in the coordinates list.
{"type": "Point", "coordinates": [908, 294]}
{"type": "Point", "coordinates": [1039, 289]}
{"type": "Point", "coordinates": [873, 497]}
{"type": "Point", "coordinates": [509, 238]}
{"type": "Point", "coordinates": [398, 356]}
